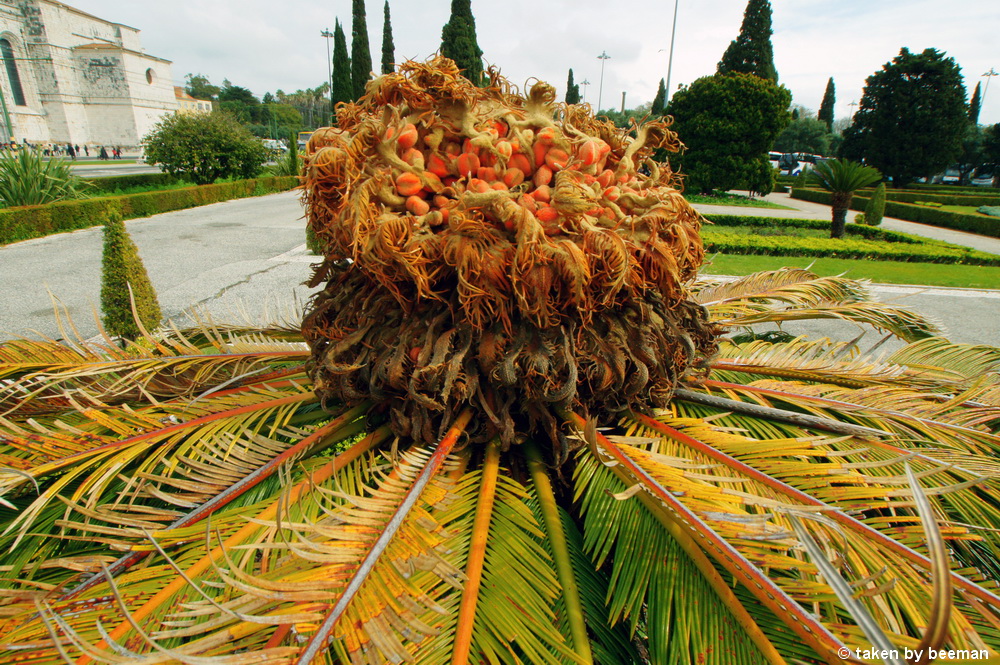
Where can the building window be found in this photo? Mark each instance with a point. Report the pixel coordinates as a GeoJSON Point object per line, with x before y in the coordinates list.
{"type": "Point", "coordinates": [150, 76]}
{"type": "Point", "coordinates": [12, 75]}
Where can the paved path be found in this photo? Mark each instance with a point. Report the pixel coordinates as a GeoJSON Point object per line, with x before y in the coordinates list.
{"type": "Point", "coordinates": [246, 259]}
{"type": "Point", "coordinates": [244, 255]}
{"type": "Point", "coordinates": [809, 210]}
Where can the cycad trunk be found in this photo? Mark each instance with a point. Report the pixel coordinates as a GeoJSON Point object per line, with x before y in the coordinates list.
{"type": "Point", "coordinates": [841, 201]}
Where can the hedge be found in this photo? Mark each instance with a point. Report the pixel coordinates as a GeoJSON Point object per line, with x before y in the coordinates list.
{"type": "Point", "coordinates": [725, 242]}
{"type": "Point", "coordinates": [914, 213]}
{"type": "Point", "coordinates": [937, 197]}
{"type": "Point", "coordinates": [37, 221]}
{"type": "Point", "coordinates": [111, 183]}
{"type": "Point", "coordinates": [867, 232]}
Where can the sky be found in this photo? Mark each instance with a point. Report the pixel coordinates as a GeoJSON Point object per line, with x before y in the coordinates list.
{"type": "Point", "coordinates": [266, 46]}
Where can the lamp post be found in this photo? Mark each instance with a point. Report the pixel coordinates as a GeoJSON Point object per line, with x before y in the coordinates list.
{"type": "Point", "coordinates": [584, 83]}
{"type": "Point", "coordinates": [988, 75]}
{"type": "Point", "coordinates": [670, 60]}
{"type": "Point", "coordinates": [600, 89]}
{"type": "Point", "coordinates": [329, 67]}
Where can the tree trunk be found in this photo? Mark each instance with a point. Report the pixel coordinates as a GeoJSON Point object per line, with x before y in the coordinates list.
{"type": "Point", "coordinates": [840, 202]}
{"type": "Point", "coordinates": [839, 222]}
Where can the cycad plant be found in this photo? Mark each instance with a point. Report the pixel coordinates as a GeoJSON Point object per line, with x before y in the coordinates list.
{"type": "Point", "coordinates": [27, 178]}
{"type": "Point", "coordinates": [842, 177]}
{"type": "Point", "coordinates": [607, 487]}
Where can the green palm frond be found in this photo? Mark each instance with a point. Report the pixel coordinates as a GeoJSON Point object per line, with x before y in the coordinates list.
{"type": "Point", "coordinates": [221, 514]}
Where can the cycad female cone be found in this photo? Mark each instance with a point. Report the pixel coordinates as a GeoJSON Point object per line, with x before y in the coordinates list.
{"type": "Point", "coordinates": [502, 251]}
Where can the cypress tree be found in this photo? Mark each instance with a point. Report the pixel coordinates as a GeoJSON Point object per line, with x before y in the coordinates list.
{"type": "Point", "coordinates": [875, 208]}
{"type": "Point", "coordinates": [361, 57]}
{"type": "Point", "coordinates": [458, 41]}
{"type": "Point", "coordinates": [342, 90]}
{"type": "Point", "coordinates": [751, 52]}
{"type": "Point", "coordinates": [388, 48]}
{"type": "Point", "coordinates": [572, 90]}
{"type": "Point", "coordinates": [826, 107]}
{"type": "Point", "coordinates": [121, 267]}
{"type": "Point", "coordinates": [660, 100]}
{"type": "Point", "coordinates": [974, 106]}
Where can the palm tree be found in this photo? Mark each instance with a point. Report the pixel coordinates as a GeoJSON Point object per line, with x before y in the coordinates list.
{"type": "Point", "coordinates": [204, 496]}
{"type": "Point", "coordinates": [842, 177]}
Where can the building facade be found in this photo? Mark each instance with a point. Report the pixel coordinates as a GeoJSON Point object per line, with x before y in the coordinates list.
{"type": "Point", "coordinates": [71, 77]}
{"type": "Point", "coordinates": [188, 104]}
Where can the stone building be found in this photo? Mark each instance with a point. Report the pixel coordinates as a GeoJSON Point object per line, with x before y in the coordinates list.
{"type": "Point", "coordinates": [71, 77]}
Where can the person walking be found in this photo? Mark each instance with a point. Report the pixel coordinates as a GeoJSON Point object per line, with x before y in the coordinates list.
{"type": "Point", "coordinates": [70, 152]}
{"type": "Point", "coordinates": [103, 154]}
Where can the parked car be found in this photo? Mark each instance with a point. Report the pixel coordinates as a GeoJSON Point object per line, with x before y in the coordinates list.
{"type": "Point", "coordinates": [983, 180]}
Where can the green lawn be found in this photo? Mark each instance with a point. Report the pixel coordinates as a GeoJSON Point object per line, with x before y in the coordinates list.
{"type": "Point", "coordinates": [725, 199]}
{"type": "Point", "coordinates": [889, 272]}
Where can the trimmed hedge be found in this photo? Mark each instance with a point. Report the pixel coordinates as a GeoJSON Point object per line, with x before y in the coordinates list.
{"type": "Point", "coordinates": [914, 213]}
{"type": "Point", "coordinates": [111, 183]}
{"type": "Point", "coordinates": [938, 197]}
{"type": "Point", "coordinates": [719, 240]}
{"type": "Point", "coordinates": [38, 221]}
{"type": "Point", "coordinates": [866, 232]}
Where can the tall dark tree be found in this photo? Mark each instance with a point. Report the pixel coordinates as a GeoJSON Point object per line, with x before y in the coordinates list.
{"type": "Point", "coordinates": [975, 105]}
{"type": "Point", "coordinates": [826, 106]}
{"type": "Point", "coordinates": [572, 90]}
{"type": "Point", "coordinates": [342, 89]}
{"type": "Point", "coordinates": [199, 87]}
{"type": "Point", "coordinates": [361, 56]}
{"type": "Point", "coordinates": [388, 47]}
{"type": "Point", "coordinates": [728, 123]}
{"type": "Point", "coordinates": [751, 52]}
{"type": "Point", "coordinates": [912, 117]}
{"type": "Point", "coordinates": [458, 41]}
{"type": "Point", "coordinates": [659, 102]}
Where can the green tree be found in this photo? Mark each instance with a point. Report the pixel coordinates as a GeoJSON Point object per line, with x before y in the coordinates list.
{"type": "Point", "coordinates": [239, 102]}
{"type": "Point", "coordinates": [199, 87]}
{"type": "Point", "coordinates": [204, 147]}
{"type": "Point", "coordinates": [459, 42]}
{"type": "Point", "coordinates": [342, 87]}
{"type": "Point", "coordinates": [572, 90]}
{"type": "Point", "coordinates": [729, 123]}
{"type": "Point", "coordinates": [875, 208]}
{"type": "Point", "coordinates": [971, 157]}
{"type": "Point", "coordinates": [751, 52]}
{"type": "Point", "coordinates": [361, 57]}
{"type": "Point", "coordinates": [991, 152]}
{"type": "Point", "coordinates": [842, 177]}
{"type": "Point", "coordinates": [827, 105]}
{"type": "Point", "coordinates": [804, 135]}
{"type": "Point", "coordinates": [124, 281]}
{"type": "Point", "coordinates": [388, 47]}
{"type": "Point", "coordinates": [912, 117]}
{"type": "Point", "coordinates": [975, 104]}
{"type": "Point", "coordinates": [659, 100]}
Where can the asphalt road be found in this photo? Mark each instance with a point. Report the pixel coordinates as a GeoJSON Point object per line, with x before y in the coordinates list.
{"type": "Point", "coordinates": [245, 256]}
{"type": "Point", "coordinates": [246, 259]}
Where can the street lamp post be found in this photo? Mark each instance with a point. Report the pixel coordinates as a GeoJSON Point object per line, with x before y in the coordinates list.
{"type": "Point", "coordinates": [584, 83]}
{"type": "Point", "coordinates": [988, 75]}
{"type": "Point", "coordinates": [670, 60]}
{"type": "Point", "coordinates": [600, 89]}
{"type": "Point", "coordinates": [329, 67]}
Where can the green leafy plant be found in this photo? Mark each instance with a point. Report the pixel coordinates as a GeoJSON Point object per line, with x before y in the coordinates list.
{"type": "Point", "coordinates": [27, 179]}
{"type": "Point", "coordinates": [204, 147]}
{"type": "Point", "coordinates": [875, 208]}
{"type": "Point", "coordinates": [992, 211]}
{"type": "Point", "coordinates": [842, 177]}
{"type": "Point", "coordinates": [125, 285]}
{"type": "Point", "coordinates": [290, 164]}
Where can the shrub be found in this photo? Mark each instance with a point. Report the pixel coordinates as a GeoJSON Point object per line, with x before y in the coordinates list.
{"type": "Point", "coordinates": [875, 209]}
{"type": "Point", "coordinates": [914, 213]}
{"type": "Point", "coordinates": [860, 218]}
{"type": "Point", "coordinates": [27, 178]}
{"type": "Point", "coordinates": [992, 211]}
{"type": "Point", "coordinates": [110, 184]}
{"type": "Point", "coordinates": [121, 268]}
{"type": "Point", "coordinates": [204, 147]}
